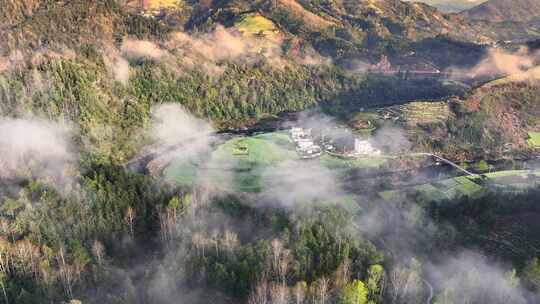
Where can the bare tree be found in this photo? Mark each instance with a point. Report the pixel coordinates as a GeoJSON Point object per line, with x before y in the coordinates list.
{"type": "Point", "coordinates": [259, 295]}
{"type": "Point", "coordinates": [281, 258]}
{"type": "Point", "coordinates": [279, 293]}
{"type": "Point", "coordinates": [98, 251]}
{"type": "Point", "coordinates": [28, 254]}
{"type": "Point", "coordinates": [199, 241]}
{"type": "Point", "coordinates": [215, 240]}
{"type": "Point", "coordinates": [3, 277]}
{"type": "Point", "coordinates": [406, 285]}
{"type": "Point", "coordinates": [45, 269]}
{"type": "Point", "coordinates": [167, 222]}
{"type": "Point", "coordinates": [129, 219]}
{"type": "Point", "coordinates": [322, 290]}
{"type": "Point", "coordinates": [230, 240]}
{"type": "Point", "coordinates": [5, 255]}
{"type": "Point", "coordinates": [342, 274]}
{"type": "Point", "coordinates": [299, 292]}
{"type": "Point", "coordinates": [4, 227]}
{"type": "Point", "coordinates": [67, 273]}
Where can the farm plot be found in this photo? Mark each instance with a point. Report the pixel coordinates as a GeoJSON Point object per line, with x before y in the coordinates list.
{"type": "Point", "coordinates": [444, 189]}
{"type": "Point", "coordinates": [417, 113]}
{"type": "Point", "coordinates": [367, 162]}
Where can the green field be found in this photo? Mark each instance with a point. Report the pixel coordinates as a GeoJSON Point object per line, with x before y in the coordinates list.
{"type": "Point", "coordinates": [181, 172]}
{"type": "Point", "coordinates": [256, 24]}
{"type": "Point", "coordinates": [464, 186]}
{"type": "Point", "coordinates": [534, 139]}
{"type": "Point", "coordinates": [235, 165]}
{"type": "Point", "coordinates": [263, 149]}
{"type": "Point", "coordinates": [240, 163]}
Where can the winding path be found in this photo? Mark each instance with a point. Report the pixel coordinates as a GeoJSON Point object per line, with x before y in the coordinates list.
{"type": "Point", "coordinates": [430, 287]}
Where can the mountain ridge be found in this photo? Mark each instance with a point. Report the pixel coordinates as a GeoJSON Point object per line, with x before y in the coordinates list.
{"type": "Point", "coordinates": [451, 6]}
{"type": "Point", "coordinates": [503, 10]}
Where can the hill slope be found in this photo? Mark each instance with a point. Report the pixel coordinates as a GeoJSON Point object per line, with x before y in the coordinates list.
{"type": "Point", "coordinates": [451, 6]}
{"type": "Point", "coordinates": [504, 10]}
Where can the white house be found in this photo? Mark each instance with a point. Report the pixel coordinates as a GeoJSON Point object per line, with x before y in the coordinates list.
{"type": "Point", "coordinates": [299, 133]}
{"type": "Point", "coordinates": [364, 147]}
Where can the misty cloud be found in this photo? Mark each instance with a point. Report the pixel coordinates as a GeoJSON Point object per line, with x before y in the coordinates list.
{"type": "Point", "coordinates": [141, 50]}
{"type": "Point", "coordinates": [220, 44]}
{"type": "Point", "coordinates": [471, 278]}
{"type": "Point", "coordinates": [498, 63]}
{"type": "Point", "coordinates": [300, 183]}
{"type": "Point", "coordinates": [177, 135]}
{"type": "Point", "coordinates": [36, 148]}
{"type": "Point", "coordinates": [117, 66]}
{"type": "Point", "coordinates": [173, 124]}
{"type": "Point", "coordinates": [20, 59]}
{"type": "Point", "coordinates": [209, 50]}
{"type": "Point", "coordinates": [358, 66]}
{"type": "Point", "coordinates": [403, 227]}
{"type": "Point", "coordinates": [223, 44]}
{"type": "Point", "coordinates": [392, 140]}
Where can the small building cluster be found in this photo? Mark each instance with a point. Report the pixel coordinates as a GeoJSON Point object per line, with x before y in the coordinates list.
{"type": "Point", "coordinates": [310, 146]}
{"type": "Point", "coordinates": [305, 146]}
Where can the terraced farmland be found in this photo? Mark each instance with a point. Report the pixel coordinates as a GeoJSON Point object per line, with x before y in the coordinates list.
{"type": "Point", "coordinates": [444, 189]}
{"type": "Point", "coordinates": [415, 113]}
{"type": "Point", "coordinates": [470, 186]}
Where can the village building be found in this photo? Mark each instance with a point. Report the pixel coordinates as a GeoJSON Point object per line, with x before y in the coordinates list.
{"type": "Point", "coordinates": [364, 147]}
{"type": "Point", "coordinates": [345, 144]}
{"type": "Point", "coordinates": [305, 146]}
{"type": "Point", "coordinates": [300, 133]}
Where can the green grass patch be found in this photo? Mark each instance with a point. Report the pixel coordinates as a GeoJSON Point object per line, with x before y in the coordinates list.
{"type": "Point", "coordinates": [256, 24]}
{"type": "Point", "coordinates": [235, 165]}
{"type": "Point", "coordinates": [389, 195]}
{"type": "Point", "coordinates": [429, 193]}
{"type": "Point", "coordinates": [182, 172]}
{"type": "Point", "coordinates": [534, 139]}
{"type": "Point", "coordinates": [333, 162]}
{"type": "Point", "coordinates": [249, 152]}
{"type": "Point", "coordinates": [467, 187]}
